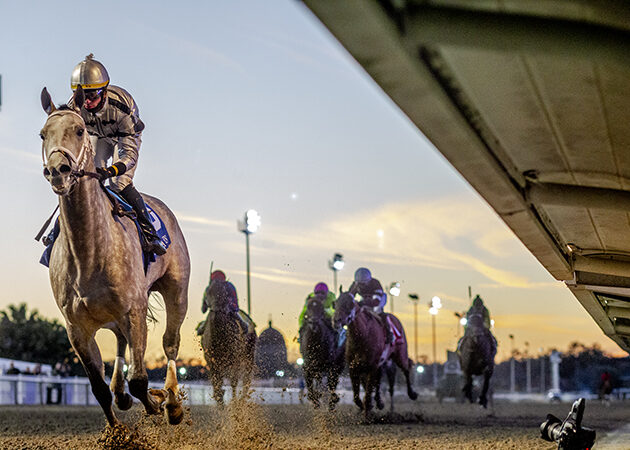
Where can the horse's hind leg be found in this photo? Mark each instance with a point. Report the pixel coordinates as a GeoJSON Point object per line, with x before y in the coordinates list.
{"type": "Point", "coordinates": [391, 379]}
{"type": "Point", "coordinates": [176, 303]}
{"type": "Point", "coordinates": [402, 360]}
{"type": "Point", "coordinates": [117, 385]}
{"type": "Point", "coordinates": [138, 379]}
{"type": "Point", "coordinates": [90, 356]}
{"type": "Point", "coordinates": [377, 395]}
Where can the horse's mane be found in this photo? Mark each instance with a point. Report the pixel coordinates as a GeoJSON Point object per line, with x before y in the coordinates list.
{"type": "Point", "coordinates": [65, 107]}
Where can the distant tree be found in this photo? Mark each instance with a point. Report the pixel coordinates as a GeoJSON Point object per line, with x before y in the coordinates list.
{"type": "Point", "coordinates": [27, 336]}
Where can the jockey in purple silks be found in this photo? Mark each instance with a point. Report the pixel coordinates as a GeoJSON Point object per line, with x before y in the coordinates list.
{"type": "Point", "coordinates": [373, 296]}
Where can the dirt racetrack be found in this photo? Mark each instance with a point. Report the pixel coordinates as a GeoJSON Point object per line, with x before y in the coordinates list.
{"type": "Point", "coordinates": [426, 425]}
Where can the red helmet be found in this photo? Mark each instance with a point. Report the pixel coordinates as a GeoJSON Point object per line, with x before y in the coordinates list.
{"type": "Point", "coordinates": [217, 275]}
{"type": "Point", "coordinates": [321, 288]}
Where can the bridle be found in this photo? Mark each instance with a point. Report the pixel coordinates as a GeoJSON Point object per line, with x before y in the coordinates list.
{"type": "Point", "coordinates": [77, 163]}
{"type": "Point", "coordinates": [353, 312]}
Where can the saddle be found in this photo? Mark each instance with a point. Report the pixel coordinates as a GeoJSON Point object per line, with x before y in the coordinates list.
{"type": "Point", "coordinates": [120, 208]}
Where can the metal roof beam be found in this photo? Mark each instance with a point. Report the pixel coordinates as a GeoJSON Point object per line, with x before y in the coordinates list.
{"type": "Point", "coordinates": [578, 196]}
{"type": "Point", "coordinates": [513, 33]}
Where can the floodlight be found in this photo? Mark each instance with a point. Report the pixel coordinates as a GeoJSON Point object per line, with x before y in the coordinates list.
{"type": "Point", "coordinates": [182, 371]}
{"type": "Point", "coordinates": [394, 289]}
{"type": "Point", "coordinates": [299, 361]}
{"type": "Point", "coordinates": [420, 369]}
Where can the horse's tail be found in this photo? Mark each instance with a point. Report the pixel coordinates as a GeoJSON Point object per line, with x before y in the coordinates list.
{"type": "Point", "coordinates": [154, 305]}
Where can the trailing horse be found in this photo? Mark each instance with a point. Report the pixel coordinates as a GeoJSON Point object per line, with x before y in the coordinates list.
{"type": "Point", "coordinates": [322, 356]}
{"type": "Point", "coordinates": [97, 274]}
{"type": "Point", "coordinates": [229, 350]}
{"type": "Point", "coordinates": [367, 350]}
{"type": "Point", "coordinates": [477, 350]}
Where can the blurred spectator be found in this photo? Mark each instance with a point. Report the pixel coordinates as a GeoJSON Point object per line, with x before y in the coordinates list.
{"type": "Point", "coordinates": [13, 370]}
{"type": "Point", "coordinates": [37, 370]}
{"type": "Point", "coordinates": [61, 369]}
{"type": "Point", "coordinates": [27, 371]}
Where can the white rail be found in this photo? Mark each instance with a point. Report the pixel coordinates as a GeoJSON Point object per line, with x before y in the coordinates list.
{"type": "Point", "coordinates": [40, 390]}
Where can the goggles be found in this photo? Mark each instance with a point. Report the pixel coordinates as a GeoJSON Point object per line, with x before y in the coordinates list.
{"type": "Point", "coordinates": [93, 94]}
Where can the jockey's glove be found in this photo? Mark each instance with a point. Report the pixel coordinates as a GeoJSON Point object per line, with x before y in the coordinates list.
{"type": "Point", "coordinates": [112, 171]}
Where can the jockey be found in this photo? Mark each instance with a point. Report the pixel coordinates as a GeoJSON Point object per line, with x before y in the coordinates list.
{"type": "Point", "coordinates": [479, 308]}
{"type": "Point", "coordinates": [328, 299]}
{"type": "Point", "coordinates": [373, 296]}
{"type": "Point", "coordinates": [113, 122]}
{"type": "Point", "coordinates": [218, 276]}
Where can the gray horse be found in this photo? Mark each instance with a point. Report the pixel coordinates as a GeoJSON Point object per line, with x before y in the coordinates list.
{"type": "Point", "coordinates": [97, 274]}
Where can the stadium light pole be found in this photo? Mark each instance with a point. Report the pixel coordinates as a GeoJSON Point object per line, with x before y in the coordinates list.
{"type": "Point", "coordinates": [415, 299]}
{"type": "Point", "coordinates": [249, 225]}
{"type": "Point", "coordinates": [434, 307]}
{"type": "Point", "coordinates": [394, 291]}
{"type": "Point", "coordinates": [336, 264]}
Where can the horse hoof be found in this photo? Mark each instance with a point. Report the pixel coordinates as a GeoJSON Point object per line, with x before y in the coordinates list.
{"type": "Point", "coordinates": [413, 395]}
{"type": "Point", "coordinates": [359, 403]}
{"type": "Point", "coordinates": [174, 410]}
{"type": "Point", "coordinates": [174, 414]}
{"type": "Point", "coordinates": [124, 401]}
{"type": "Point", "coordinates": [380, 404]}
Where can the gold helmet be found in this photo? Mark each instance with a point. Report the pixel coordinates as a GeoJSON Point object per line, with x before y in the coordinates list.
{"type": "Point", "coordinates": [90, 74]}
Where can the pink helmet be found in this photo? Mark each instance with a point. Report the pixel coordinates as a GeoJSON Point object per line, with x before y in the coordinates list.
{"type": "Point", "coordinates": [217, 275]}
{"type": "Point", "coordinates": [321, 287]}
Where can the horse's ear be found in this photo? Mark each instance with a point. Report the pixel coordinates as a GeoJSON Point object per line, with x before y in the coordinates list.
{"type": "Point", "coordinates": [340, 289]}
{"type": "Point", "coordinates": [78, 98]}
{"type": "Point", "coordinates": [47, 102]}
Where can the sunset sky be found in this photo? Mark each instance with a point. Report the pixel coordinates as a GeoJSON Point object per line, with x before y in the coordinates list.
{"type": "Point", "coordinates": [254, 105]}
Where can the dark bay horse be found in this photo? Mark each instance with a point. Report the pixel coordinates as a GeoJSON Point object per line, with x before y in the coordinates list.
{"type": "Point", "coordinates": [477, 350]}
{"type": "Point", "coordinates": [367, 351]}
{"type": "Point", "coordinates": [97, 274]}
{"type": "Point", "coordinates": [229, 352]}
{"type": "Point", "coordinates": [322, 356]}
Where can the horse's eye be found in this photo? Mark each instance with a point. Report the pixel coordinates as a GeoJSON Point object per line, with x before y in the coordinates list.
{"type": "Point", "coordinates": [41, 135]}
{"type": "Point", "coordinates": [80, 132]}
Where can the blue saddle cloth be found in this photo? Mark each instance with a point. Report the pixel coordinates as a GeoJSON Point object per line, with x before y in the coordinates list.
{"type": "Point", "coordinates": [147, 257]}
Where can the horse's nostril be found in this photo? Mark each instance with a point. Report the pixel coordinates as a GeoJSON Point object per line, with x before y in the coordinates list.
{"type": "Point", "coordinates": [64, 168]}
{"type": "Point", "coordinates": [46, 172]}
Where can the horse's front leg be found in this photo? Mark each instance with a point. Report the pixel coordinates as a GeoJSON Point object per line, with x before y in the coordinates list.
{"type": "Point", "coordinates": [372, 382]}
{"type": "Point", "coordinates": [355, 377]}
{"type": "Point", "coordinates": [333, 380]}
{"type": "Point", "coordinates": [483, 399]}
{"type": "Point", "coordinates": [468, 387]}
{"type": "Point", "coordinates": [311, 390]}
{"type": "Point", "coordinates": [90, 356]}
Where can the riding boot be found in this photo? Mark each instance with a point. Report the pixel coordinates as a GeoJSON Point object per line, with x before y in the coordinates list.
{"type": "Point", "coordinates": [151, 242]}
{"type": "Point", "coordinates": [389, 336]}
